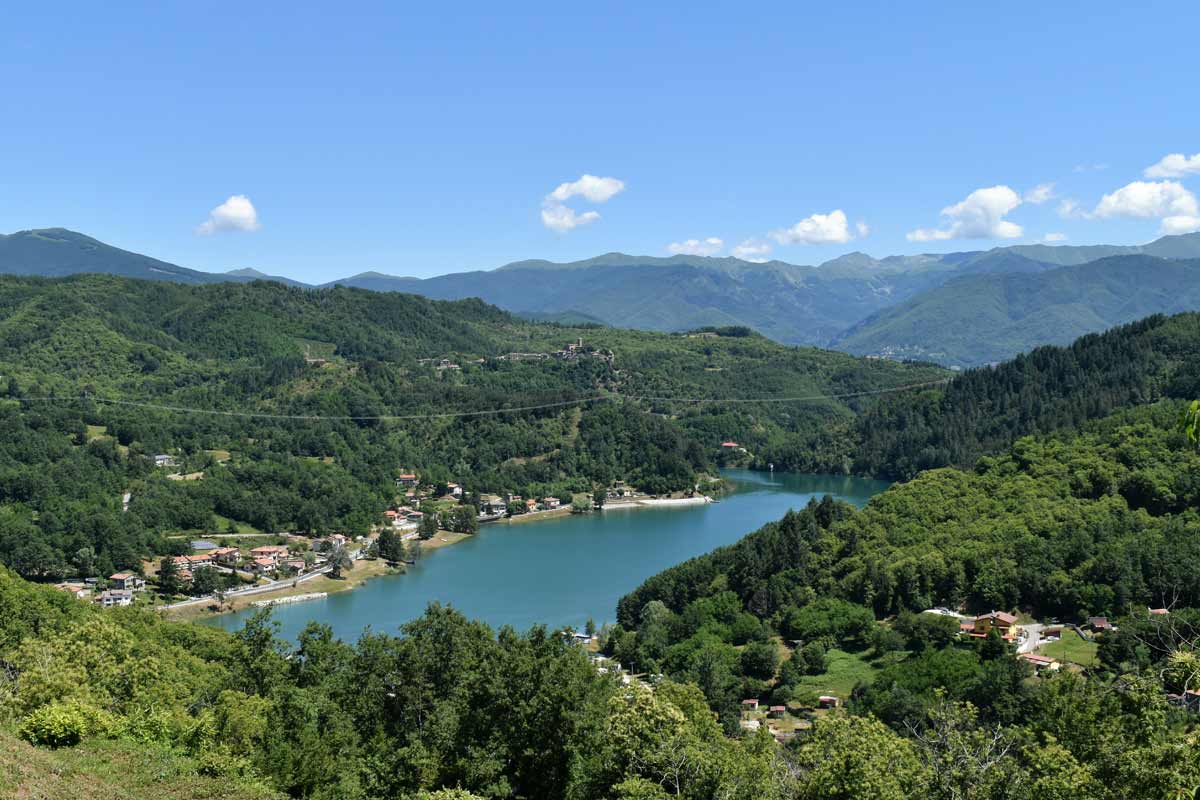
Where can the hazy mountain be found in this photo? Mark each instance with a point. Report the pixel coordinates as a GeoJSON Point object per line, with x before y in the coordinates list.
{"type": "Point", "coordinates": [844, 301]}
{"type": "Point", "coordinates": [248, 274]}
{"type": "Point", "coordinates": [980, 318]}
{"type": "Point", "coordinates": [55, 252]}
{"type": "Point", "coordinates": [789, 303]}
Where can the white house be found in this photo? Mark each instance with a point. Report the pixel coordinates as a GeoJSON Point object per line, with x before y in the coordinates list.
{"type": "Point", "coordinates": [115, 597]}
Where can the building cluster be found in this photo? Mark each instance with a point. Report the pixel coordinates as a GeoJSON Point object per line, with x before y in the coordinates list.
{"type": "Point", "coordinates": [777, 719]}
{"type": "Point", "coordinates": [574, 351]}
{"type": "Point", "coordinates": [494, 506]}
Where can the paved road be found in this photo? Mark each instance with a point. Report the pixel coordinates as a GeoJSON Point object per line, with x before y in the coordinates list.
{"type": "Point", "coordinates": [285, 583]}
{"type": "Point", "coordinates": [1033, 637]}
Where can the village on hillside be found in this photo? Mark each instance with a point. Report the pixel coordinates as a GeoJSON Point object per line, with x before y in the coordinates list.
{"type": "Point", "coordinates": [1047, 646]}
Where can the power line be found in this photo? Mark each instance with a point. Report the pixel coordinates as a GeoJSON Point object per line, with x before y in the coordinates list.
{"type": "Point", "coordinates": [481, 412]}
{"type": "Point", "coordinates": [811, 398]}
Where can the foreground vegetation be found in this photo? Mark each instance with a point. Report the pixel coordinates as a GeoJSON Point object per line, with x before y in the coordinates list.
{"type": "Point", "coordinates": [1094, 516]}
{"type": "Point", "coordinates": [1100, 522]}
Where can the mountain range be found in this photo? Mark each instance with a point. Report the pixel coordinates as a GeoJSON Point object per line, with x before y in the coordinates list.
{"type": "Point", "coordinates": [961, 309]}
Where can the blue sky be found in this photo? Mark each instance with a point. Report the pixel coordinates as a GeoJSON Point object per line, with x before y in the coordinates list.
{"type": "Point", "coordinates": [424, 142]}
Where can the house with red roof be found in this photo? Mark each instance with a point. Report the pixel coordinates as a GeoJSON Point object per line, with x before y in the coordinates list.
{"type": "Point", "coordinates": [127, 581]}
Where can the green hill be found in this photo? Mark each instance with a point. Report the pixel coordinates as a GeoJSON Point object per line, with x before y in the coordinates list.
{"type": "Point", "coordinates": [321, 398]}
{"type": "Point", "coordinates": [57, 252]}
{"type": "Point", "coordinates": [891, 306]}
{"type": "Point", "coordinates": [988, 317]}
{"type": "Point", "coordinates": [984, 410]}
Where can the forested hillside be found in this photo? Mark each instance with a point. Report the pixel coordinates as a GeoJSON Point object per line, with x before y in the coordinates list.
{"type": "Point", "coordinates": [1052, 388]}
{"type": "Point", "coordinates": [398, 383]}
{"type": "Point", "coordinates": [1067, 527]}
{"type": "Point", "coordinates": [1102, 522]}
{"type": "Point", "coordinates": [961, 308]}
{"type": "Point", "coordinates": [988, 317]}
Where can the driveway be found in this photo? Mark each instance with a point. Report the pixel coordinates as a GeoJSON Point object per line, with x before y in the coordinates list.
{"type": "Point", "coordinates": [1033, 637]}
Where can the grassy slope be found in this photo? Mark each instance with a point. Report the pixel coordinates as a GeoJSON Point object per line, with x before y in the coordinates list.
{"type": "Point", "coordinates": [1071, 648]}
{"type": "Point", "coordinates": [109, 769]}
{"type": "Point", "coordinates": [844, 672]}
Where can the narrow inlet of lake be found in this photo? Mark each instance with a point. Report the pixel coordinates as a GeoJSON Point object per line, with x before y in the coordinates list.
{"type": "Point", "coordinates": [565, 570]}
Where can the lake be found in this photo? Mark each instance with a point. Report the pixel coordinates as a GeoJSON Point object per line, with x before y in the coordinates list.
{"type": "Point", "coordinates": [564, 570]}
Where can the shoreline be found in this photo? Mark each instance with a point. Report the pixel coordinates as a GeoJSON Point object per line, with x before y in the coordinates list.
{"type": "Point", "coordinates": [366, 570]}
{"type": "Point", "coordinates": [660, 502]}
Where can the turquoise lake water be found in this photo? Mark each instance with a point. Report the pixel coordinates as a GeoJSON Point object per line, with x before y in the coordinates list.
{"type": "Point", "coordinates": [562, 571]}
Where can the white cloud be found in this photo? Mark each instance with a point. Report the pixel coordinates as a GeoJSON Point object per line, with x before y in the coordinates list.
{"type": "Point", "coordinates": [1146, 199]}
{"type": "Point", "coordinates": [864, 230]}
{"type": "Point", "coordinates": [1090, 168]}
{"type": "Point", "coordinates": [696, 247]}
{"type": "Point", "coordinates": [831, 228]}
{"type": "Point", "coordinates": [1050, 238]}
{"type": "Point", "coordinates": [561, 218]}
{"type": "Point", "coordinates": [754, 250]}
{"type": "Point", "coordinates": [235, 214]}
{"type": "Point", "coordinates": [979, 216]}
{"type": "Point", "coordinates": [1039, 194]}
{"type": "Point", "coordinates": [1175, 165]}
{"type": "Point", "coordinates": [589, 187]}
{"type": "Point", "coordinates": [1180, 224]}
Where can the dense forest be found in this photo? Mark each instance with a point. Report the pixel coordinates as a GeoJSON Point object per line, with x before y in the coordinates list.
{"type": "Point", "coordinates": [1063, 488]}
{"type": "Point", "coordinates": [1074, 525]}
{"type": "Point", "coordinates": [1096, 523]}
{"type": "Point", "coordinates": [397, 382]}
{"type": "Point", "coordinates": [1051, 388]}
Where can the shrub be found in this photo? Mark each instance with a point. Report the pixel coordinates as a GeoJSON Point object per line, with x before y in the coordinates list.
{"type": "Point", "coordinates": [61, 724]}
